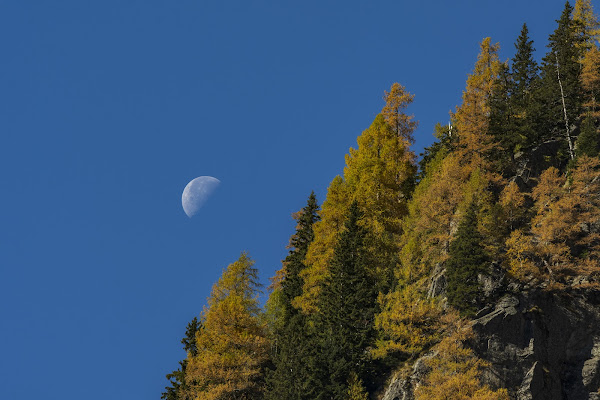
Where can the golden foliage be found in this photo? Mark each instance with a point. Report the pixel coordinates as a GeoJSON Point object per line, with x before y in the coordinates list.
{"type": "Point", "coordinates": [408, 323]}
{"type": "Point", "coordinates": [562, 240]}
{"type": "Point", "coordinates": [472, 117]}
{"type": "Point", "coordinates": [455, 371]}
{"type": "Point", "coordinates": [378, 175]}
{"type": "Point", "coordinates": [232, 344]}
{"type": "Point", "coordinates": [583, 13]}
{"type": "Point", "coordinates": [590, 81]}
{"type": "Point", "coordinates": [512, 201]}
{"type": "Point", "coordinates": [396, 101]}
{"type": "Point", "coordinates": [356, 390]}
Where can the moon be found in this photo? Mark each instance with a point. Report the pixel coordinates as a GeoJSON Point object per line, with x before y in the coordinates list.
{"type": "Point", "coordinates": [196, 193]}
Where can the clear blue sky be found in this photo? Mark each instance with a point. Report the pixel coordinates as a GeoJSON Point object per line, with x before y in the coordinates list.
{"type": "Point", "coordinates": [109, 108]}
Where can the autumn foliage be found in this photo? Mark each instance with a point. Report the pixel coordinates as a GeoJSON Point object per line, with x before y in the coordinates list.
{"type": "Point", "coordinates": [388, 270]}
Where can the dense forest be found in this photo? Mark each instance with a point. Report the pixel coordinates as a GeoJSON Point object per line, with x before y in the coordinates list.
{"type": "Point", "coordinates": [393, 264]}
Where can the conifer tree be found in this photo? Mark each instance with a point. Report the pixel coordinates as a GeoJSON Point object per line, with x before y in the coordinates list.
{"type": "Point", "coordinates": [559, 97]}
{"type": "Point", "coordinates": [525, 79]}
{"type": "Point", "coordinates": [590, 81]}
{"type": "Point", "coordinates": [396, 101]}
{"type": "Point", "coordinates": [346, 310]}
{"type": "Point", "coordinates": [454, 372]}
{"type": "Point", "coordinates": [380, 176]}
{"type": "Point", "coordinates": [502, 121]}
{"type": "Point", "coordinates": [587, 26]}
{"type": "Point", "coordinates": [232, 345]}
{"type": "Point", "coordinates": [467, 258]}
{"type": "Point", "coordinates": [472, 117]}
{"type": "Point", "coordinates": [588, 141]}
{"type": "Point", "coordinates": [179, 388]}
{"type": "Point", "coordinates": [292, 376]}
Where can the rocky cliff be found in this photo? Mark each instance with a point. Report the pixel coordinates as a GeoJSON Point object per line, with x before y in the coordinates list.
{"type": "Point", "coordinates": [541, 345]}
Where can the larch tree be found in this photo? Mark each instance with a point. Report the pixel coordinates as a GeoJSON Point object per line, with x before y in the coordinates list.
{"type": "Point", "coordinates": [587, 26]}
{"type": "Point", "coordinates": [396, 101]}
{"type": "Point", "coordinates": [590, 82]}
{"type": "Point", "coordinates": [454, 372]}
{"type": "Point", "coordinates": [232, 345]}
{"type": "Point", "coordinates": [380, 176]}
{"type": "Point", "coordinates": [472, 116]}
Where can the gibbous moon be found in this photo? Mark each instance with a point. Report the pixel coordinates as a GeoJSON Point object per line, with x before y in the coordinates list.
{"type": "Point", "coordinates": [197, 192]}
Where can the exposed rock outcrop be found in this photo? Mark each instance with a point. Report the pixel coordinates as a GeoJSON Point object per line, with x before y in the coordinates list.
{"type": "Point", "coordinates": [541, 345]}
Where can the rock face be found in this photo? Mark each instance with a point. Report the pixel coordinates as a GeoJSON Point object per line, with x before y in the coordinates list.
{"type": "Point", "coordinates": [540, 345]}
{"type": "Point", "coordinates": [543, 345]}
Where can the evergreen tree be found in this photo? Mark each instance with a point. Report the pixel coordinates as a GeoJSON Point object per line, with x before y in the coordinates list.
{"type": "Point", "coordinates": [524, 73]}
{"type": "Point", "coordinates": [467, 258]}
{"type": "Point", "coordinates": [445, 142]}
{"type": "Point", "coordinates": [291, 285]}
{"type": "Point", "coordinates": [179, 388]}
{"type": "Point", "coordinates": [524, 68]}
{"type": "Point", "coordinates": [559, 96]}
{"type": "Point", "coordinates": [588, 141]}
{"type": "Point", "coordinates": [511, 120]}
{"type": "Point", "coordinates": [502, 120]}
{"type": "Point", "coordinates": [292, 375]}
{"type": "Point", "coordinates": [347, 308]}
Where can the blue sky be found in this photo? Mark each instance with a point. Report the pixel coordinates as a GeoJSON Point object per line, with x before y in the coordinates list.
{"type": "Point", "coordinates": [109, 108]}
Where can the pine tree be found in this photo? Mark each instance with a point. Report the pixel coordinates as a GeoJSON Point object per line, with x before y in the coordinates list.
{"type": "Point", "coordinates": [467, 258]}
{"type": "Point", "coordinates": [179, 388]}
{"type": "Point", "coordinates": [232, 345]}
{"type": "Point", "coordinates": [346, 310]}
{"type": "Point", "coordinates": [292, 376]}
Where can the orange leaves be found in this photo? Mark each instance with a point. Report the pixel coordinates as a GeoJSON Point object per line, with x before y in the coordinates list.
{"type": "Point", "coordinates": [564, 239]}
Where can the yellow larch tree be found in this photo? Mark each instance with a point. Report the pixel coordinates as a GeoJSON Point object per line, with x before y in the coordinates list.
{"type": "Point", "coordinates": [588, 25]}
{"type": "Point", "coordinates": [472, 116]}
{"type": "Point", "coordinates": [455, 371]}
{"type": "Point", "coordinates": [590, 82]}
{"type": "Point", "coordinates": [564, 238]}
{"type": "Point", "coordinates": [396, 101]}
{"type": "Point", "coordinates": [232, 344]}
{"type": "Point", "coordinates": [379, 175]}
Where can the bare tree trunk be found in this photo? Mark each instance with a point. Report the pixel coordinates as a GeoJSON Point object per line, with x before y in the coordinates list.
{"type": "Point", "coordinates": [562, 97]}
